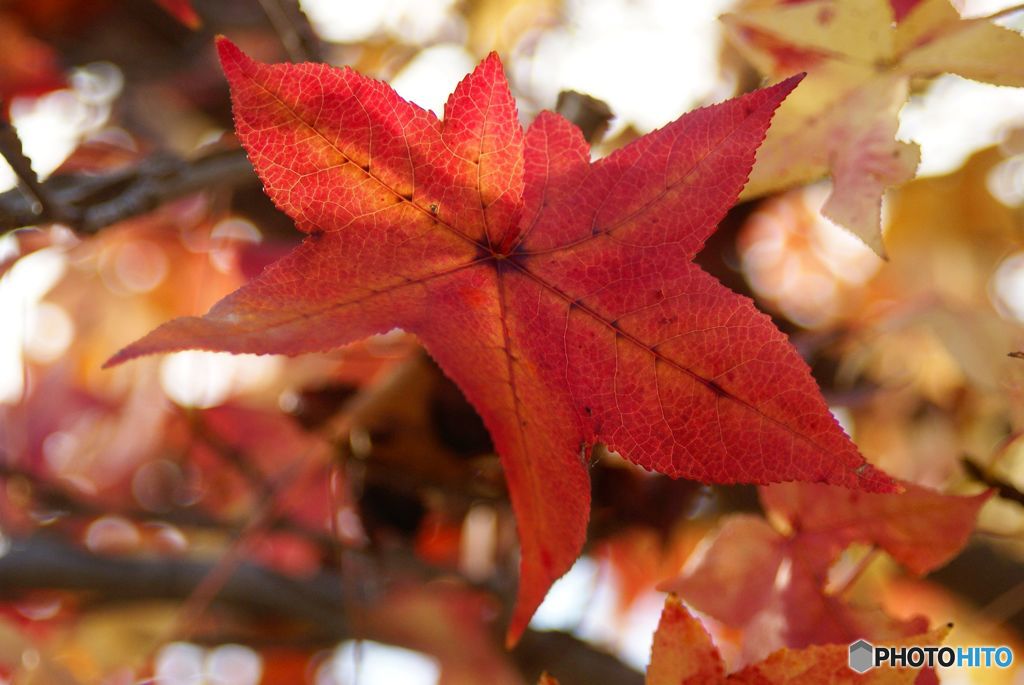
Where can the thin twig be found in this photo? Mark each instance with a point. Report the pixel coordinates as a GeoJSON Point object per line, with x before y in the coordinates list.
{"type": "Point", "coordinates": [856, 573]}
{"type": "Point", "coordinates": [205, 592]}
{"type": "Point", "coordinates": [1003, 489]}
{"type": "Point", "coordinates": [1004, 607]}
{"type": "Point", "coordinates": [292, 29]}
{"type": "Point", "coordinates": [1005, 12]}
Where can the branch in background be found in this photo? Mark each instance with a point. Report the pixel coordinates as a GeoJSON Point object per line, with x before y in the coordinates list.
{"type": "Point", "coordinates": [571, 660]}
{"type": "Point", "coordinates": [90, 202]}
{"type": "Point", "coordinates": [38, 202]}
{"type": "Point", "coordinates": [1003, 489]}
{"type": "Point", "coordinates": [316, 604]}
{"type": "Point", "coordinates": [293, 29]}
{"type": "Point", "coordinates": [587, 112]}
{"type": "Point", "coordinates": [260, 484]}
{"type": "Point", "coordinates": [40, 562]}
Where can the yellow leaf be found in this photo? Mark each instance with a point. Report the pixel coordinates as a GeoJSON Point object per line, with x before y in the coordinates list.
{"type": "Point", "coordinates": [858, 30]}
{"type": "Point", "coordinates": [842, 120]}
{"type": "Point", "coordinates": [975, 49]}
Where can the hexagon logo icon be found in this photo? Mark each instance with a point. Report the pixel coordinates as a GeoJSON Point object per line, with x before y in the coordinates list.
{"type": "Point", "coordinates": [862, 656]}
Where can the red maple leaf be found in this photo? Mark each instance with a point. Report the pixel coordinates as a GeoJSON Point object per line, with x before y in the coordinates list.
{"type": "Point", "coordinates": [559, 294]}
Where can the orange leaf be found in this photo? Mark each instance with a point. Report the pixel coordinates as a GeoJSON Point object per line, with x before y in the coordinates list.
{"type": "Point", "coordinates": [920, 528]}
{"type": "Point", "coordinates": [682, 651]}
{"type": "Point", "coordinates": [829, 665]}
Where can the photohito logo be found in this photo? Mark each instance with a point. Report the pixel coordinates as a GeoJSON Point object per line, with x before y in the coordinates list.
{"type": "Point", "coordinates": [864, 656]}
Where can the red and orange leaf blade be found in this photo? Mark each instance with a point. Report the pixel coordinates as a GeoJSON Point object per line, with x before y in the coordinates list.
{"type": "Point", "coordinates": [558, 294]}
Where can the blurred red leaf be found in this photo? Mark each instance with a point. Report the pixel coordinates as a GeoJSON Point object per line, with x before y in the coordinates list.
{"type": "Point", "coordinates": [249, 448]}
{"type": "Point", "coordinates": [773, 583]}
{"type": "Point", "coordinates": [921, 528]}
{"type": "Point", "coordinates": [753, 578]}
{"type": "Point", "coordinates": [28, 66]}
{"type": "Point", "coordinates": [183, 11]}
{"type": "Point", "coordinates": [640, 557]}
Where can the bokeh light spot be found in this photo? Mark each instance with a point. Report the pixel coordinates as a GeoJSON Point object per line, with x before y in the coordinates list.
{"type": "Point", "coordinates": [140, 266]}
{"type": "Point", "coordinates": [112, 534]}
{"type": "Point", "coordinates": [207, 379]}
{"type": "Point", "coordinates": [233, 665]}
{"type": "Point", "coordinates": [1007, 287]}
{"type": "Point", "coordinates": [799, 261]}
{"type": "Point", "coordinates": [372, 663]}
{"type": "Point", "coordinates": [179, 663]}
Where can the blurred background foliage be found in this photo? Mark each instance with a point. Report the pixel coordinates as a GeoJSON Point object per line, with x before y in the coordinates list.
{"type": "Point", "coordinates": [341, 518]}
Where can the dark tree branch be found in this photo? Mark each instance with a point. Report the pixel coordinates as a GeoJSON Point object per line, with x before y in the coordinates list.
{"type": "Point", "coordinates": [571, 660]}
{"type": "Point", "coordinates": [91, 202]}
{"type": "Point", "coordinates": [1005, 490]}
{"type": "Point", "coordinates": [587, 112]}
{"type": "Point", "coordinates": [294, 31]}
{"type": "Point", "coordinates": [45, 563]}
{"type": "Point", "coordinates": [40, 562]}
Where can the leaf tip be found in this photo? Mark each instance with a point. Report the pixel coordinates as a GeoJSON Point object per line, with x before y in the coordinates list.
{"type": "Point", "coordinates": [172, 336]}
{"type": "Point", "coordinates": [511, 640]}
{"type": "Point", "coordinates": [232, 58]}
{"type": "Point", "coordinates": [787, 85]}
{"type": "Point", "coordinates": [521, 616]}
{"type": "Point", "coordinates": [533, 587]}
{"type": "Point", "coordinates": [491, 68]}
{"type": "Point", "coordinates": [120, 357]}
{"type": "Point", "coordinates": [513, 635]}
{"type": "Point", "coordinates": [223, 43]}
{"type": "Point", "coordinates": [493, 58]}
